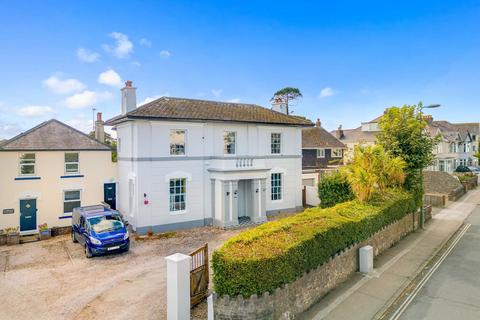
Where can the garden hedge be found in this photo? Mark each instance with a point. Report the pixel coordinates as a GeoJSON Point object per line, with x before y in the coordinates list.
{"type": "Point", "coordinates": [334, 189]}
{"type": "Point", "coordinates": [276, 253]}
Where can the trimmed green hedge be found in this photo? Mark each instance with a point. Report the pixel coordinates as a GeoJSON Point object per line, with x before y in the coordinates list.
{"type": "Point", "coordinates": [278, 252]}
{"type": "Point", "coordinates": [334, 189]}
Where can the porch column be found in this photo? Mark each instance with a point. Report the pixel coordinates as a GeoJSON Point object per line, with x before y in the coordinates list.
{"type": "Point", "coordinates": [229, 205]}
{"type": "Point", "coordinates": [259, 200]}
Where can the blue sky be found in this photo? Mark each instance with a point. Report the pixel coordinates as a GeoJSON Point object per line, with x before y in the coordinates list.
{"type": "Point", "coordinates": [350, 59]}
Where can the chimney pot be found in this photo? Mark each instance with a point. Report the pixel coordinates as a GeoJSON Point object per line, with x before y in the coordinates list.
{"type": "Point", "coordinates": [99, 116]}
{"type": "Point", "coordinates": [129, 97]}
{"type": "Point", "coordinates": [128, 83]}
{"type": "Point", "coordinates": [318, 123]}
{"type": "Point", "coordinates": [99, 131]}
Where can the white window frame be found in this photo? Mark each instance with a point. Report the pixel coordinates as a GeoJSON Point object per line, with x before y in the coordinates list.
{"type": "Point", "coordinates": [280, 187]}
{"type": "Point", "coordinates": [234, 143]}
{"type": "Point", "coordinates": [276, 144]}
{"type": "Point", "coordinates": [334, 150]}
{"type": "Point", "coordinates": [320, 153]}
{"type": "Point", "coordinates": [184, 142]}
{"type": "Point", "coordinates": [63, 199]}
{"type": "Point", "coordinates": [171, 196]}
{"type": "Point", "coordinates": [34, 164]}
{"type": "Point", "coordinates": [73, 162]}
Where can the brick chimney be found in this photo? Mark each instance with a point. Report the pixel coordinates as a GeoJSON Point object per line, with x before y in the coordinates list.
{"type": "Point", "coordinates": [318, 124]}
{"type": "Point", "coordinates": [99, 131]}
{"type": "Point", "coordinates": [428, 118]}
{"type": "Point", "coordinates": [339, 132]}
{"type": "Point", "coordinates": [129, 97]}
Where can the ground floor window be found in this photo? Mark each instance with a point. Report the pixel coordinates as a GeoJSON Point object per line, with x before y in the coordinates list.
{"type": "Point", "coordinates": [276, 186]}
{"type": "Point", "coordinates": [178, 192]}
{"type": "Point", "coordinates": [71, 199]}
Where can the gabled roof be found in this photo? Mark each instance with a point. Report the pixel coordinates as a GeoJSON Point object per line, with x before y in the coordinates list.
{"type": "Point", "coordinates": [317, 137]}
{"type": "Point", "coordinates": [473, 128]}
{"type": "Point", "coordinates": [446, 129]}
{"type": "Point", "coordinates": [356, 135]}
{"type": "Point", "coordinates": [167, 108]}
{"type": "Point", "coordinates": [52, 135]}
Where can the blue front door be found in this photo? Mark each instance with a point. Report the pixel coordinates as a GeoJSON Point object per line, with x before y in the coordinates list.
{"type": "Point", "coordinates": [109, 195]}
{"type": "Point", "coordinates": [28, 215]}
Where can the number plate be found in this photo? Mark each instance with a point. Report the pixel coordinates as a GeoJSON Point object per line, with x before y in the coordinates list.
{"type": "Point", "coordinates": [113, 248]}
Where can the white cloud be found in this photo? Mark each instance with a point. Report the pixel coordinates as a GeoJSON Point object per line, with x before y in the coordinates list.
{"type": "Point", "coordinates": [86, 99]}
{"type": "Point", "coordinates": [145, 43]}
{"type": "Point", "coordinates": [364, 91]}
{"type": "Point", "coordinates": [165, 53]}
{"type": "Point", "coordinates": [82, 123]}
{"type": "Point", "coordinates": [110, 78]}
{"type": "Point", "coordinates": [66, 86]}
{"type": "Point", "coordinates": [153, 98]}
{"type": "Point", "coordinates": [8, 130]}
{"type": "Point", "coordinates": [123, 46]}
{"type": "Point", "coordinates": [34, 111]}
{"type": "Point", "coordinates": [327, 92]}
{"type": "Point", "coordinates": [217, 92]}
{"type": "Point", "coordinates": [87, 55]}
{"type": "Point", "coordinates": [234, 100]}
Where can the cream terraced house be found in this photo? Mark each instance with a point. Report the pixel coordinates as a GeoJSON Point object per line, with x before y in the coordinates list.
{"type": "Point", "coordinates": [187, 163]}
{"type": "Point", "coordinates": [47, 171]}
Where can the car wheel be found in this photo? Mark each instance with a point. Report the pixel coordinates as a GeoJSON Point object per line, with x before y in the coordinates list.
{"type": "Point", "coordinates": [74, 238]}
{"type": "Point", "coordinates": [88, 253]}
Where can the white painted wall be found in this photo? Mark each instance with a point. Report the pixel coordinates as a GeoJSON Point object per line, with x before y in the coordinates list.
{"type": "Point", "coordinates": [147, 142]}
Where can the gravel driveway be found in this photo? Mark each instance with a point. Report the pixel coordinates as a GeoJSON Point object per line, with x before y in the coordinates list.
{"type": "Point", "coordinates": [52, 279]}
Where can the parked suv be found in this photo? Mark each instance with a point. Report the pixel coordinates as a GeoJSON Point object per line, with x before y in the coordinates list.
{"type": "Point", "coordinates": [100, 230]}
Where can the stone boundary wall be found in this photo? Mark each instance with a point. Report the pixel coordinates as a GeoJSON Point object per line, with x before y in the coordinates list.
{"type": "Point", "coordinates": [470, 184]}
{"type": "Point", "coordinates": [294, 298]}
{"type": "Point", "coordinates": [456, 194]}
{"type": "Point", "coordinates": [435, 200]}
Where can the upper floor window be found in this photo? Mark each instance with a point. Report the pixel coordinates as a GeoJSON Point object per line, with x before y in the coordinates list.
{"type": "Point", "coordinates": [320, 153]}
{"type": "Point", "coordinates": [27, 164]}
{"type": "Point", "coordinates": [229, 140]}
{"type": "Point", "coordinates": [177, 142]}
{"type": "Point", "coordinates": [276, 186]}
{"type": "Point", "coordinates": [337, 153]}
{"type": "Point", "coordinates": [178, 193]}
{"type": "Point", "coordinates": [71, 162]}
{"type": "Point", "coordinates": [276, 143]}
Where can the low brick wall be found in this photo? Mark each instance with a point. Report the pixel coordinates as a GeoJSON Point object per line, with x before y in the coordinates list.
{"type": "Point", "coordinates": [296, 297]}
{"type": "Point", "coordinates": [470, 184]}
{"type": "Point", "coordinates": [435, 200]}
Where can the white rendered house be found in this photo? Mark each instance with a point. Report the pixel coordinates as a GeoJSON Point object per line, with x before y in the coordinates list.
{"type": "Point", "coordinates": [186, 163]}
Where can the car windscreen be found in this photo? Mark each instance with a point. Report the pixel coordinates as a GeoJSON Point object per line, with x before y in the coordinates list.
{"type": "Point", "coordinates": [105, 223]}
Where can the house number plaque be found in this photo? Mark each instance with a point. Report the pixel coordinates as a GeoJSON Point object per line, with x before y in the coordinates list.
{"type": "Point", "coordinates": [8, 211]}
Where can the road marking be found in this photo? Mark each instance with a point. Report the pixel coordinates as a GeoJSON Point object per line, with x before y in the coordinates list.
{"type": "Point", "coordinates": [427, 276]}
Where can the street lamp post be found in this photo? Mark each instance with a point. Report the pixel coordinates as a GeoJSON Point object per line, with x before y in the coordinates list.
{"type": "Point", "coordinates": [422, 210]}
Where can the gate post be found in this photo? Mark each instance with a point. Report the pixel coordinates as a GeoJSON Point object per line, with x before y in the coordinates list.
{"type": "Point", "coordinates": [178, 286]}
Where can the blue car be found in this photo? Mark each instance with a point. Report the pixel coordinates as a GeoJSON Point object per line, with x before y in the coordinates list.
{"type": "Point", "coordinates": [100, 230]}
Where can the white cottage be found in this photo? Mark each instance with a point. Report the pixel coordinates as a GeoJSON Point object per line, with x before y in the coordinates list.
{"type": "Point", "coordinates": [187, 163]}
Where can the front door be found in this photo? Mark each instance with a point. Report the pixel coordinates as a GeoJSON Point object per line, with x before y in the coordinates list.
{"type": "Point", "coordinates": [109, 194]}
{"type": "Point", "coordinates": [28, 215]}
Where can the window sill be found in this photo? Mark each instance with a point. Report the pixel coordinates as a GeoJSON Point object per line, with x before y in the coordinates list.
{"type": "Point", "coordinates": [175, 213]}
{"type": "Point", "coordinates": [28, 178]}
{"type": "Point", "coordinates": [72, 176]}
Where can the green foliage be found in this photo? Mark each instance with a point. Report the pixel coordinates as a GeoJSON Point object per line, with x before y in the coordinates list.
{"type": "Point", "coordinates": [286, 95]}
{"type": "Point", "coordinates": [404, 134]}
{"type": "Point", "coordinates": [334, 189]}
{"type": "Point", "coordinates": [373, 170]}
{"type": "Point", "coordinates": [278, 252]}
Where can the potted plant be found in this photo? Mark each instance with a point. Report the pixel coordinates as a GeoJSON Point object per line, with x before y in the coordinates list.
{"type": "Point", "coordinates": [13, 235]}
{"type": "Point", "coordinates": [3, 237]}
{"type": "Point", "coordinates": [44, 231]}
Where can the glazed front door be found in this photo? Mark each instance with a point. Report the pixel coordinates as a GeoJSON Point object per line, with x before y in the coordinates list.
{"type": "Point", "coordinates": [28, 214]}
{"type": "Point", "coordinates": [109, 195]}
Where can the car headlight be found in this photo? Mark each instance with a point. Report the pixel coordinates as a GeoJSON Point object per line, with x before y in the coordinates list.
{"type": "Point", "coordinates": [125, 236]}
{"type": "Point", "coordinates": [95, 241]}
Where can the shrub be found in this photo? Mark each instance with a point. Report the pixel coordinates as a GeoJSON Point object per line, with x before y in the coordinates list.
{"type": "Point", "coordinates": [334, 189]}
{"type": "Point", "coordinates": [278, 252]}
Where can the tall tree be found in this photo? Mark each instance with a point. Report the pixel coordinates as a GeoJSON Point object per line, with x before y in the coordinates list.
{"type": "Point", "coordinates": [286, 95]}
{"type": "Point", "coordinates": [403, 133]}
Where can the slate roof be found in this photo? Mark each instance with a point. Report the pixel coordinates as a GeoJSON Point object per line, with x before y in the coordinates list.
{"type": "Point", "coordinates": [168, 108]}
{"type": "Point", "coordinates": [317, 137]}
{"type": "Point", "coordinates": [448, 131]}
{"type": "Point", "coordinates": [52, 135]}
{"type": "Point", "coordinates": [473, 128]}
{"type": "Point", "coordinates": [357, 135]}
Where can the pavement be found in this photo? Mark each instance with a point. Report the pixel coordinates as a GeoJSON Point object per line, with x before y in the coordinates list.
{"type": "Point", "coordinates": [453, 291]}
{"type": "Point", "coordinates": [370, 296]}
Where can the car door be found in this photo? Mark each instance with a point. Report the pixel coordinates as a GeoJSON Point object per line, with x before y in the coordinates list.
{"type": "Point", "coordinates": [82, 231]}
